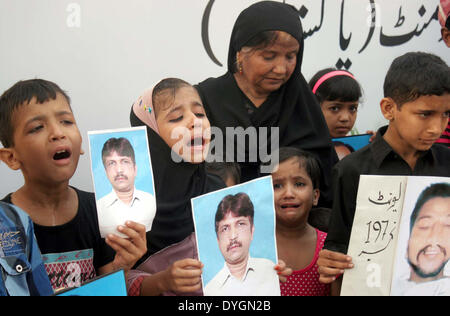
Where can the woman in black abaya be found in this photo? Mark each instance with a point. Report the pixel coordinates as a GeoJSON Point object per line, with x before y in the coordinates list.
{"type": "Point", "coordinates": [264, 88]}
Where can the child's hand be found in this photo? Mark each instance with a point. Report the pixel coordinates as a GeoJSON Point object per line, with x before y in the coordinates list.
{"type": "Point", "coordinates": [332, 264]}
{"type": "Point", "coordinates": [283, 271]}
{"type": "Point", "coordinates": [128, 250]}
{"type": "Point", "coordinates": [371, 137]}
{"type": "Point", "coordinates": [183, 276]}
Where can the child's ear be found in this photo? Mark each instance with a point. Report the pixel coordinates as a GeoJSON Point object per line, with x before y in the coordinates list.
{"type": "Point", "coordinates": [7, 155]}
{"type": "Point", "coordinates": [316, 196]}
{"type": "Point", "coordinates": [388, 107]}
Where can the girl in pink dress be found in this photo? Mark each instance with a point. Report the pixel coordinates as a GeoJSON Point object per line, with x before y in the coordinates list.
{"type": "Point", "coordinates": [296, 183]}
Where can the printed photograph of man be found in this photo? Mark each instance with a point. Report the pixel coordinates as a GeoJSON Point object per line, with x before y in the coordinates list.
{"type": "Point", "coordinates": [428, 247]}
{"type": "Point", "coordinates": [241, 274]}
{"type": "Point", "coordinates": [124, 202]}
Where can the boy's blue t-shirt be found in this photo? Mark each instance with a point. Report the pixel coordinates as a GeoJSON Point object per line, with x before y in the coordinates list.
{"type": "Point", "coordinates": [22, 270]}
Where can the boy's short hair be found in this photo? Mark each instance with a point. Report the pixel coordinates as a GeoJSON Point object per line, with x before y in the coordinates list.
{"type": "Point", "coordinates": [121, 146]}
{"type": "Point", "coordinates": [225, 170]}
{"type": "Point", "coordinates": [22, 93]}
{"type": "Point", "coordinates": [306, 159]}
{"type": "Point", "coordinates": [416, 74]}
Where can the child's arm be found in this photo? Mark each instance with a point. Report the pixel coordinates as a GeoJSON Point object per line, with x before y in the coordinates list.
{"type": "Point", "coordinates": [183, 276]}
{"type": "Point", "coordinates": [128, 250]}
{"type": "Point", "coordinates": [332, 264]}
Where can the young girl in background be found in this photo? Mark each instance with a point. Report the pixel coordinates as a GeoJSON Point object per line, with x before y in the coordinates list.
{"type": "Point", "coordinates": [339, 96]}
{"type": "Point", "coordinates": [296, 191]}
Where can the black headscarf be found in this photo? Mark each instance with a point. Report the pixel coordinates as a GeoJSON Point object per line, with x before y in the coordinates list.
{"type": "Point", "coordinates": [261, 17]}
{"type": "Point", "coordinates": [292, 108]}
{"type": "Point", "coordinates": [175, 185]}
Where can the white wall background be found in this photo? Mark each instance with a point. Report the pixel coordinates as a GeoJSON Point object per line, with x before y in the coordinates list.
{"type": "Point", "coordinates": [104, 53]}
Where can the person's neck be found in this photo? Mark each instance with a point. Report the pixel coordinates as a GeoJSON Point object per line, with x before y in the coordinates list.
{"type": "Point", "coordinates": [45, 195]}
{"type": "Point", "coordinates": [409, 154]}
{"type": "Point", "coordinates": [46, 204]}
{"type": "Point", "coordinates": [254, 95]}
{"type": "Point", "coordinates": [126, 197]}
{"type": "Point", "coordinates": [299, 231]}
{"type": "Point", "coordinates": [238, 270]}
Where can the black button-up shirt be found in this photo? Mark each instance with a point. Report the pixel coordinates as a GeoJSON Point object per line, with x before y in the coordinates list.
{"type": "Point", "coordinates": [378, 158]}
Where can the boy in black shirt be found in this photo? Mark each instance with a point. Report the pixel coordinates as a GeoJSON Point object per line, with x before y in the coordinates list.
{"type": "Point", "coordinates": [41, 138]}
{"type": "Point", "coordinates": [417, 105]}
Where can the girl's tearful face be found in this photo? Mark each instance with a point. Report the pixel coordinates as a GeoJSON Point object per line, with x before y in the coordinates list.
{"type": "Point", "coordinates": [184, 126]}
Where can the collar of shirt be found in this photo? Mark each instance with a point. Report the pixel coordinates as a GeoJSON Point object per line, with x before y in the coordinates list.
{"type": "Point", "coordinates": [112, 198]}
{"type": "Point", "coordinates": [225, 274]}
{"type": "Point", "coordinates": [381, 149]}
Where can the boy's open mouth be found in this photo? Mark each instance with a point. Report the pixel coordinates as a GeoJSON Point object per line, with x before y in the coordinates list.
{"type": "Point", "coordinates": [61, 154]}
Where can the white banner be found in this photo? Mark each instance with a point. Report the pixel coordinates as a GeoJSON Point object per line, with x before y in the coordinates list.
{"type": "Point", "coordinates": [104, 53]}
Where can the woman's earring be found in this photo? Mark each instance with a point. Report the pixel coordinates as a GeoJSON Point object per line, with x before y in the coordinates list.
{"type": "Point", "coordinates": [239, 64]}
{"type": "Point", "coordinates": [241, 71]}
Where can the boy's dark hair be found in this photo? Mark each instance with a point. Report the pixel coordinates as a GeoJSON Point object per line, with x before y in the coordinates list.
{"type": "Point", "coordinates": [239, 204]}
{"type": "Point", "coordinates": [447, 23]}
{"type": "Point", "coordinates": [20, 94]}
{"type": "Point", "coordinates": [306, 160]}
{"type": "Point", "coordinates": [339, 88]}
{"type": "Point", "coordinates": [225, 170]}
{"type": "Point", "coordinates": [165, 90]}
{"type": "Point", "coordinates": [416, 74]}
{"type": "Point", "coordinates": [433, 191]}
{"type": "Point", "coordinates": [121, 146]}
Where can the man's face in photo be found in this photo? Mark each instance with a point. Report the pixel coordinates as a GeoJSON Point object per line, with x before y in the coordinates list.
{"type": "Point", "coordinates": [121, 172]}
{"type": "Point", "coordinates": [234, 235]}
{"type": "Point", "coordinates": [429, 243]}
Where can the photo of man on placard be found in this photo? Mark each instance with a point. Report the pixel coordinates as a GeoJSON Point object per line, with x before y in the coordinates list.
{"type": "Point", "coordinates": [428, 245]}
{"type": "Point", "coordinates": [235, 232]}
{"type": "Point", "coordinates": [234, 228]}
{"type": "Point", "coordinates": [116, 174]}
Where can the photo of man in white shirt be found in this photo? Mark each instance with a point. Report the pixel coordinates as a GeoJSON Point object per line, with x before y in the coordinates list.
{"type": "Point", "coordinates": [241, 275]}
{"type": "Point", "coordinates": [124, 202]}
